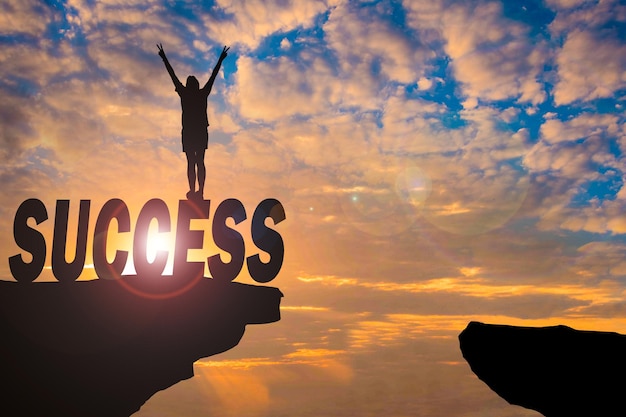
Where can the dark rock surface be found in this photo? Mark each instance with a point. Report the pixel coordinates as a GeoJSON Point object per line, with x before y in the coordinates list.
{"type": "Point", "coordinates": [556, 370]}
{"type": "Point", "coordinates": [102, 348]}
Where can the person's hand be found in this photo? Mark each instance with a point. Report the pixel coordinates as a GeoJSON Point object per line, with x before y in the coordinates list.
{"type": "Point", "coordinates": [224, 52]}
{"type": "Point", "coordinates": [161, 51]}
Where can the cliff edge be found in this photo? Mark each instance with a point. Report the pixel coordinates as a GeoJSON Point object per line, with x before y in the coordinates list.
{"type": "Point", "coordinates": [556, 370]}
{"type": "Point", "coordinates": [103, 347]}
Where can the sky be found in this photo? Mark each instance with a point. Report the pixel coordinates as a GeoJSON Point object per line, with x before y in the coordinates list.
{"type": "Point", "coordinates": [438, 162]}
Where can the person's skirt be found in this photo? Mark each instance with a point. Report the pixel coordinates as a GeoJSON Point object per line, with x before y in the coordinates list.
{"type": "Point", "coordinates": [195, 139]}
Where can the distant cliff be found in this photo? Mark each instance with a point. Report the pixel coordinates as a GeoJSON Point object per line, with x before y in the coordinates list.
{"type": "Point", "coordinates": [102, 348]}
{"type": "Point", "coordinates": [557, 371]}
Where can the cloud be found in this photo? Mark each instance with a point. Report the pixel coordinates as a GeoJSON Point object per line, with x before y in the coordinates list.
{"type": "Point", "coordinates": [460, 296]}
{"type": "Point", "coordinates": [475, 286]}
{"type": "Point", "coordinates": [575, 161]}
{"type": "Point", "coordinates": [572, 158]}
{"type": "Point", "coordinates": [605, 217]}
{"type": "Point", "coordinates": [250, 22]}
{"type": "Point", "coordinates": [565, 4]}
{"type": "Point", "coordinates": [415, 126]}
{"type": "Point", "coordinates": [16, 133]}
{"type": "Point", "coordinates": [574, 15]}
{"type": "Point", "coordinates": [285, 44]}
{"type": "Point", "coordinates": [580, 127]}
{"type": "Point", "coordinates": [589, 66]}
{"type": "Point", "coordinates": [425, 83]}
{"type": "Point", "coordinates": [590, 63]}
{"type": "Point", "coordinates": [28, 17]}
{"type": "Point", "coordinates": [311, 88]}
{"type": "Point", "coordinates": [572, 155]}
{"type": "Point", "coordinates": [301, 90]}
{"type": "Point", "coordinates": [479, 185]}
{"type": "Point", "coordinates": [107, 19]}
{"type": "Point", "coordinates": [493, 58]}
{"type": "Point", "coordinates": [304, 85]}
{"type": "Point", "coordinates": [361, 40]}
{"type": "Point", "coordinates": [557, 206]}
{"type": "Point", "coordinates": [612, 309]}
{"type": "Point", "coordinates": [314, 82]}
{"type": "Point", "coordinates": [37, 65]}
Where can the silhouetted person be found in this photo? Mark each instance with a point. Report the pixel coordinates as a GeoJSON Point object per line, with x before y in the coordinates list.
{"type": "Point", "coordinates": [195, 136]}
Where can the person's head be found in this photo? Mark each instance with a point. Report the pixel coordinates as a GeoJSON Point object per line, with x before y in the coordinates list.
{"type": "Point", "coordinates": [192, 82]}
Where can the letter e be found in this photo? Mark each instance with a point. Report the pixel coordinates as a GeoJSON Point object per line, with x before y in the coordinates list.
{"type": "Point", "coordinates": [228, 240]}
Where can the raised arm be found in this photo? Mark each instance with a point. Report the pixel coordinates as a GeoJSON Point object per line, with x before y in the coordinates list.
{"type": "Point", "coordinates": [209, 84]}
{"type": "Point", "coordinates": [170, 70]}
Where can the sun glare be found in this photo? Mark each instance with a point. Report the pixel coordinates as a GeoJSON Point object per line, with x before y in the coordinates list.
{"type": "Point", "coordinates": [157, 242]}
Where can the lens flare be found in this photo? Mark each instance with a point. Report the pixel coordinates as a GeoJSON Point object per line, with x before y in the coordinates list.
{"type": "Point", "coordinates": [413, 185]}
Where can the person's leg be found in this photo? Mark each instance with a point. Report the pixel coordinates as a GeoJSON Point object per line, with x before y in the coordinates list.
{"type": "Point", "coordinates": [191, 171]}
{"type": "Point", "coordinates": [201, 171]}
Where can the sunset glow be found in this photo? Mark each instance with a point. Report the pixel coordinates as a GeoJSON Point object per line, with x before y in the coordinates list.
{"type": "Point", "coordinates": [438, 162]}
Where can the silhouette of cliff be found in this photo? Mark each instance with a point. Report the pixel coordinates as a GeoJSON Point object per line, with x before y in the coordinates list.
{"type": "Point", "coordinates": [557, 371]}
{"type": "Point", "coordinates": [103, 347]}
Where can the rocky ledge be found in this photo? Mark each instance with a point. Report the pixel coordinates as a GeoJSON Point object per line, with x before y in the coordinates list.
{"type": "Point", "coordinates": [556, 370]}
{"type": "Point", "coordinates": [103, 347]}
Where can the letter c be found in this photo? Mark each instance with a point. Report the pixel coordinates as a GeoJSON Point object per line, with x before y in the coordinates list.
{"type": "Point", "coordinates": [112, 209]}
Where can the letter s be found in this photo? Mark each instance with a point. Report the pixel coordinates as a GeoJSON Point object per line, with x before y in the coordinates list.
{"type": "Point", "coordinates": [267, 240]}
{"type": "Point", "coordinates": [228, 240]}
{"type": "Point", "coordinates": [30, 240]}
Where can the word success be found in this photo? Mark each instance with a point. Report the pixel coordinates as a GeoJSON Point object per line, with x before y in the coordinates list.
{"type": "Point", "coordinates": [225, 238]}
